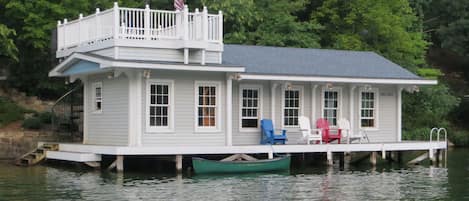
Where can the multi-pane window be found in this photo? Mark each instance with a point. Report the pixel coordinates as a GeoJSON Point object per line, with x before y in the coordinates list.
{"type": "Point", "coordinates": [97, 96]}
{"type": "Point", "coordinates": [331, 106]}
{"type": "Point", "coordinates": [207, 106]}
{"type": "Point", "coordinates": [250, 107]}
{"type": "Point", "coordinates": [368, 109]}
{"type": "Point", "coordinates": [291, 108]}
{"type": "Point", "coordinates": [159, 106]}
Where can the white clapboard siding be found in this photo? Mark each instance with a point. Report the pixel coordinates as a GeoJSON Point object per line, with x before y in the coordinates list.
{"type": "Point", "coordinates": [108, 52]}
{"type": "Point", "coordinates": [171, 55]}
{"type": "Point", "coordinates": [184, 111]}
{"type": "Point", "coordinates": [110, 127]}
{"type": "Point", "coordinates": [249, 138]}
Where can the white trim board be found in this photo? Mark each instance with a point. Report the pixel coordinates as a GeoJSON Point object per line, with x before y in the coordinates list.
{"type": "Point", "coordinates": [338, 79]}
{"type": "Point", "coordinates": [109, 63]}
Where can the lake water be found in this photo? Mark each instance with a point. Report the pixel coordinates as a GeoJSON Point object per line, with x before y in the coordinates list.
{"type": "Point", "coordinates": [313, 183]}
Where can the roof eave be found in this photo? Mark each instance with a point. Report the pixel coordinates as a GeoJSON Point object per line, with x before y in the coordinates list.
{"type": "Point", "coordinates": [352, 80]}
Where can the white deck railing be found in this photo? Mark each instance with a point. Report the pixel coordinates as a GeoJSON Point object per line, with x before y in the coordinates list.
{"type": "Point", "coordinates": [140, 24]}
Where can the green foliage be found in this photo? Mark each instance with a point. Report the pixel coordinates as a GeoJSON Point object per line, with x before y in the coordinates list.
{"type": "Point", "coordinates": [459, 137]}
{"type": "Point", "coordinates": [428, 108]}
{"type": "Point", "coordinates": [386, 27]}
{"type": "Point", "coordinates": [429, 73]}
{"type": "Point", "coordinates": [7, 46]}
{"type": "Point", "coordinates": [262, 22]}
{"type": "Point", "coordinates": [32, 123]}
{"type": "Point", "coordinates": [45, 117]}
{"type": "Point", "coordinates": [10, 112]}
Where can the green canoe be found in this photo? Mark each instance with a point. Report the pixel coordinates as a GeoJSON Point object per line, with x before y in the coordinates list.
{"type": "Point", "coordinates": [204, 166]}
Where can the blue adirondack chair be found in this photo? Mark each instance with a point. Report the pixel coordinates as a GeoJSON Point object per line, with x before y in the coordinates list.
{"type": "Point", "coordinates": [268, 134]}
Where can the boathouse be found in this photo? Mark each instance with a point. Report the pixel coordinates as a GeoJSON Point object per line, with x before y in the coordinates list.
{"type": "Point", "coordinates": [161, 82]}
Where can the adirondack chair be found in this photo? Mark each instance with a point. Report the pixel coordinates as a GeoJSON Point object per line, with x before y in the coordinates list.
{"type": "Point", "coordinates": [309, 134]}
{"type": "Point", "coordinates": [268, 134]}
{"type": "Point", "coordinates": [344, 125]}
{"type": "Point", "coordinates": [328, 134]}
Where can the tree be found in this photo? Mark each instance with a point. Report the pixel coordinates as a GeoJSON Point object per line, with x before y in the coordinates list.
{"type": "Point", "coordinates": [386, 27]}
{"type": "Point", "coordinates": [262, 22]}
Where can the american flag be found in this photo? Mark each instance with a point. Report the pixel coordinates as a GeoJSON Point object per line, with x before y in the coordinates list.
{"type": "Point", "coordinates": [179, 4]}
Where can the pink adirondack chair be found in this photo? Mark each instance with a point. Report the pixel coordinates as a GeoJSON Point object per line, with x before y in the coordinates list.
{"type": "Point", "coordinates": [327, 135]}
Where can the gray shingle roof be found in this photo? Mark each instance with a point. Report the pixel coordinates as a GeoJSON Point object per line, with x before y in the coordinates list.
{"type": "Point", "coordinates": [313, 62]}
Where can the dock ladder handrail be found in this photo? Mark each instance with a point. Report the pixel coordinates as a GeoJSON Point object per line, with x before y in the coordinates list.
{"type": "Point", "coordinates": [438, 131]}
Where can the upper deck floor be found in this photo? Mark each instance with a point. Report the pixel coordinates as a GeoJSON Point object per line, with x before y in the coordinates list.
{"type": "Point", "coordinates": [146, 28]}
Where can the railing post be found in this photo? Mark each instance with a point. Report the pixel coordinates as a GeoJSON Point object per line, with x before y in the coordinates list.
{"type": "Point", "coordinates": [98, 25]}
{"type": "Point", "coordinates": [185, 23]}
{"type": "Point", "coordinates": [205, 24]}
{"type": "Point", "coordinates": [59, 36]}
{"type": "Point", "coordinates": [116, 20]}
{"type": "Point", "coordinates": [220, 26]}
{"type": "Point", "coordinates": [146, 25]}
{"type": "Point", "coordinates": [80, 17]}
{"type": "Point", "coordinates": [65, 33]}
{"type": "Point", "coordinates": [195, 25]}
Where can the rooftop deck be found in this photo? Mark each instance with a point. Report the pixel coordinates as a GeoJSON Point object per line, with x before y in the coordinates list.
{"type": "Point", "coordinates": [120, 26]}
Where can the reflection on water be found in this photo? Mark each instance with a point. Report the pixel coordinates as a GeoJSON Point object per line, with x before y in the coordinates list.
{"type": "Point", "coordinates": [417, 183]}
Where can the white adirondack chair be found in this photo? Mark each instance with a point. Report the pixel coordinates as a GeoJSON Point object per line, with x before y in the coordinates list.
{"type": "Point", "coordinates": [347, 132]}
{"type": "Point", "coordinates": [309, 134]}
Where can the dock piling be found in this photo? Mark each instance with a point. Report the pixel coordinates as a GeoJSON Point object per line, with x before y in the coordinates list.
{"type": "Point", "coordinates": [178, 163]}
{"type": "Point", "coordinates": [120, 163]}
{"type": "Point", "coordinates": [373, 158]}
{"type": "Point", "coordinates": [329, 158]}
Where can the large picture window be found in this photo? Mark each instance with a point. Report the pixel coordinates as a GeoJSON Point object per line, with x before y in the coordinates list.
{"type": "Point", "coordinates": [207, 105]}
{"type": "Point", "coordinates": [291, 106]}
{"type": "Point", "coordinates": [368, 110]}
{"type": "Point", "coordinates": [160, 104]}
{"type": "Point", "coordinates": [250, 106]}
{"type": "Point", "coordinates": [331, 105]}
{"type": "Point", "coordinates": [97, 97]}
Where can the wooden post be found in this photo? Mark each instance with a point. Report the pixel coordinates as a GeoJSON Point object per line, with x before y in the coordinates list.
{"type": "Point", "coordinates": [178, 163]}
{"type": "Point", "coordinates": [65, 33]}
{"type": "Point", "coordinates": [229, 111]}
{"type": "Point", "coordinates": [80, 17]}
{"type": "Point", "coordinates": [432, 157]}
{"type": "Point", "coordinates": [270, 155]}
{"type": "Point", "coordinates": [347, 160]}
{"type": "Point", "coordinates": [146, 25]}
{"type": "Point", "coordinates": [329, 158]}
{"type": "Point", "coordinates": [373, 158]}
{"type": "Point", "coordinates": [120, 163]}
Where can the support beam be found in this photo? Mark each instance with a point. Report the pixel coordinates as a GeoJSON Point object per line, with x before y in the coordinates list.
{"type": "Point", "coordinates": [85, 109]}
{"type": "Point", "coordinates": [399, 113]}
{"type": "Point", "coordinates": [272, 101]}
{"type": "Point", "coordinates": [270, 155]}
{"type": "Point", "coordinates": [418, 159]}
{"type": "Point", "coordinates": [373, 158]}
{"type": "Point", "coordinates": [186, 56]}
{"type": "Point", "coordinates": [120, 163]}
{"type": "Point", "coordinates": [178, 163]}
{"type": "Point", "coordinates": [135, 107]}
{"type": "Point", "coordinates": [229, 110]}
{"type": "Point", "coordinates": [313, 104]}
{"type": "Point", "coordinates": [351, 112]}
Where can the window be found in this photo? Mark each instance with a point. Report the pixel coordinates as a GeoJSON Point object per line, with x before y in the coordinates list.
{"type": "Point", "coordinates": [331, 98]}
{"type": "Point", "coordinates": [368, 110]}
{"type": "Point", "coordinates": [207, 105]}
{"type": "Point", "coordinates": [159, 105]}
{"type": "Point", "coordinates": [291, 106]}
{"type": "Point", "coordinates": [97, 97]}
{"type": "Point", "coordinates": [250, 107]}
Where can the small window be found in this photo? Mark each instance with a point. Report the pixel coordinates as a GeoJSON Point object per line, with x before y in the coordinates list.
{"type": "Point", "coordinates": [207, 105]}
{"type": "Point", "coordinates": [160, 107]}
{"type": "Point", "coordinates": [291, 107]}
{"type": "Point", "coordinates": [250, 106]}
{"type": "Point", "coordinates": [331, 105]}
{"type": "Point", "coordinates": [97, 96]}
{"type": "Point", "coordinates": [368, 109]}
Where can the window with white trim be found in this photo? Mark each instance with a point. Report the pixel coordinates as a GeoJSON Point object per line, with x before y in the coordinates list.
{"type": "Point", "coordinates": [160, 107]}
{"type": "Point", "coordinates": [331, 105]}
{"type": "Point", "coordinates": [291, 107]}
{"type": "Point", "coordinates": [250, 107]}
{"type": "Point", "coordinates": [368, 109]}
{"type": "Point", "coordinates": [97, 97]}
{"type": "Point", "coordinates": [207, 105]}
